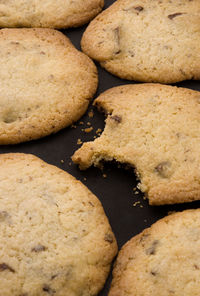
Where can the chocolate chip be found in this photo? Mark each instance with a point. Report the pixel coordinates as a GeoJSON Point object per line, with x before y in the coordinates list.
{"type": "Point", "coordinates": [38, 248]}
{"type": "Point", "coordinates": [163, 169]}
{"type": "Point", "coordinates": [152, 249]}
{"type": "Point", "coordinates": [14, 42]}
{"type": "Point", "coordinates": [3, 215]}
{"type": "Point", "coordinates": [48, 289]}
{"type": "Point", "coordinates": [117, 40]}
{"type": "Point", "coordinates": [153, 272]}
{"type": "Point", "coordinates": [196, 266]}
{"type": "Point", "coordinates": [172, 16]}
{"type": "Point", "coordinates": [4, 266]}
{"type": "Point", "coordinates": [116, 118]}
{"type": "Point", "coordinates": [54, 276]}
{"type": "Point", "coordinates": [108, 238]}
{"type": "Point", "coordinates": [138, 8]}
{"type": "Point", "coordinates": [91, 204]}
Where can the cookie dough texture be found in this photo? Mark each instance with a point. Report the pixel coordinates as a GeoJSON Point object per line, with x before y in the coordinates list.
{"type": "Point", "coordinates": [45, 83]}
{"type": "Point", "coordinates": [55, 237]}
{"type": "Point", "coordinates": [150, 41]}
{"type": "Point", "coordinates": [48, 13]}
{"type": "Point", "coordinates": [163, 260]}
{"type": "Point", "coordinates": [156, 129]}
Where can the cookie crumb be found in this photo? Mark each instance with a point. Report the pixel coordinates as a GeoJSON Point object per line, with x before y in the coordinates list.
{"type": "Point", "coordinates": [98, 131]}
{"type": "Point", "coordinates": [79, 142]}
{"type": "Point", "coordinates": [136, 203]}
{"type": "Point", "coordinates": [91, 114]}
{"type": "Point", "coordinates": [88, 123]}
{"type": "Point", "coordinates": [104, 176]}
{"type": "Point", "coordinates": [73, 126]}
{"type": "Point", "coordinates": [62, 161]}
{"type": "Point", "coordinates": [88, 130]}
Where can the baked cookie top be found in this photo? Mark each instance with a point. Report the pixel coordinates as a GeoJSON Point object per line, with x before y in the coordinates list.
{"type": "Point", "coordinates": [55, 237]}
{"type": "Point", "coordinates": [147, 40]}
{"type": "Point", "coordinates": [48, 13]}
{"type": "Point", "coordinates": [163, 260]}
{"type": "Point", "coordinates": [156, 129]}
{"type": "Point", "coordinates": [46, 84]}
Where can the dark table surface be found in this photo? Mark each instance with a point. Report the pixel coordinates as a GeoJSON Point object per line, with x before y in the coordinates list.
{"type": "Point", "coordinates": [127, 211]}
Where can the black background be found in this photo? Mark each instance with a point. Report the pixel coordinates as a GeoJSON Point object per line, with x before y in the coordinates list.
{"type": "Point", "coordinates": [116, 190]}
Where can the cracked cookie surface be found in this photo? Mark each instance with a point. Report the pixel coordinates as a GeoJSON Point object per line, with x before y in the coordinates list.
{"type": "Point", "coordinates": [48, 13]}
{"type": "Point", "coordinates": [163, 260]}
{"type": "Point", "coordinates": [46, 84]}
{"type": "Point", "coordinates": [156, 129]}
{"type": "Point", "coordinates": [55, 237]}
{"type": "Point", "coordinates": [149, 41]}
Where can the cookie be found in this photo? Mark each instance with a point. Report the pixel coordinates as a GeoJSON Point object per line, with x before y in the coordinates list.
{"type": "Point", "coordinates": [55, 237]}
{"type": "Point", "coordinates": [150, 41]}
{"type": "Point", "coordinates": [48, 13]}
{"type": "Point", "coordinates": [155, 129]}
{"type": "Point", "coordinates": [46, 84]}
{"type": "Point", "coordinates": [163, 260]}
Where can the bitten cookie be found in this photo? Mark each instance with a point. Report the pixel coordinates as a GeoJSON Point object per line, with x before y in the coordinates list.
{"type": "Point", "coordinates": [163, 260]}
{"type": "Point", "coordinates": [48, 13]}
{"type": "Point", "coordinates": [156, 129]}
{"type": "Point", "coordinates": [46, 84]}
{"type": "Point", "coordinates": [147, 40]}
{"type": "Point", "coordinates": [55, 237]}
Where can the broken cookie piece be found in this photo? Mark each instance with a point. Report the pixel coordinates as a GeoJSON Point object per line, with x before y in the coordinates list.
{"type": "Point", "coordinates": [155, 129]}
{"type": "Point", "coordinates": [165, 264]}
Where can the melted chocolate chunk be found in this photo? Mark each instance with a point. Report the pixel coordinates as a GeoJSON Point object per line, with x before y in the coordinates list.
{"type": "Point", "coordinates": [152, 249]}
{"type": "Point", "coordinates": [48, 289]}
{"type": "Point", "coordinates": [116, 118]}
{"type": "Point", "coordinates": [38, 248]}
{"type": "Point", "coordinates": [3, 215]}
{"type": "Point", "coordinates": [172, 16]}
{"type": "Point", "coordinates": [4, 266]}
{"type": "Point", "coordinates": [153, 272]}
{"type": "Point", "coordinates": [163, 169]}
{"type": "Point", "coordinates": [108, 238]}
{"type": "Point", "coordinates": [139, 8]}
{"type": "Point", "coordinates": [117, 40]}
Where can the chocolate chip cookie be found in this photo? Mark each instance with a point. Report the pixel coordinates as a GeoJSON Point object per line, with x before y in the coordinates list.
{"type": "Point", "coordinates": [155, 129]}
{"type": "Point", "coordinates": [147, 40]}
{"type": "Point", "coordinates": [163, 260]}
{"type": "Point", "coordinates": [55, 237]}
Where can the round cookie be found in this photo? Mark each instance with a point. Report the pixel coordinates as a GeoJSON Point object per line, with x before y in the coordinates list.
{"type": "Point", "coordinates": [46, 84]}
{"type": "Point", "coordinates": [55, 237]}
{"type": "Point", "coordinates": [155, 129]}
{"type": "Point", "coordinates": [147, 40]}
{"type": "Point", "coordinates": [48, 13]}
{"type": "Point", "coordinates": [163, 260]}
